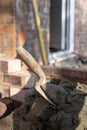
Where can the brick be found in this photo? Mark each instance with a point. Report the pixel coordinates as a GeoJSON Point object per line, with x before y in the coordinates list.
{"type": "Point", "coordinates": [5, 90]}
{"type": "Point", "coordinates": [8, 65]}
{"type": "Point", "coordinates": [6, 18]}
{"type": "Point", "coordinates": [21, 95]}
{"type": "Point", "coordinates": [80, 27]}
{"type": "Point", "coordinates": [6, 107]}
{"type": "Point", "coordinates": [17, 94]}
{"type": "Point", "coordinates": [2, 55]}
{"type": "Point", "coordinates": [11, 51]}
{"type": "Point", "coordinates": [1, 90]}
{"type": "Point", "coordinates": [17, 79]}
{"type": "Point", "coordinates": [77, 75]}
{"type": "Point", "coordinates": [7, 4]}
{"type": "Point", "coordinates": [3, 108]}
{"type": "Point", "coordinates": [1, 77]}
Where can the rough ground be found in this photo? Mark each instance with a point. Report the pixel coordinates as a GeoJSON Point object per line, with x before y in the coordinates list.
{"type": "Point", "coordinates": [70, 114]}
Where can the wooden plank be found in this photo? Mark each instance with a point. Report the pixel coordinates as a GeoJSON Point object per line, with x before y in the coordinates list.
{"type": "Point", "coordinates": [77, 75]}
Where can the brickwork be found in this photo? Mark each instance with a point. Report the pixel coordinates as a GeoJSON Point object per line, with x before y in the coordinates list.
{"type": "Point", "coordinates": [81, 27]}
{"type": "Point", "coordinates": [8, 65]}
{"type": "Point", "coordinates": [12, 82]}
{"type": "Point", "coordinates": [27, 30]}
{"type": "Point", "coordinates": [17, 79]}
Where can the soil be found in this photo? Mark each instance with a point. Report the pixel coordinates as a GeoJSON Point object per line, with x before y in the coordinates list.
{"type": "Point", "coordinates": [70, 113]}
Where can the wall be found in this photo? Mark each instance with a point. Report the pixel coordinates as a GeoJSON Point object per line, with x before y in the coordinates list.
{"type": "Point", "coordinates": [81, 26]}
{"type": "Point", "coordinates": [7, 27]}
{"type": "Point", "coordinates": [27, 30]}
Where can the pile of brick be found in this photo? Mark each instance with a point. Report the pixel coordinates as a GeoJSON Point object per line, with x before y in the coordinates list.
{"type": "Point", "coordinates": [13, 79]}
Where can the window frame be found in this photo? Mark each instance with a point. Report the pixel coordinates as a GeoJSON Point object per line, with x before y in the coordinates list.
{"type": "Point", "coordinates": [70, 43]}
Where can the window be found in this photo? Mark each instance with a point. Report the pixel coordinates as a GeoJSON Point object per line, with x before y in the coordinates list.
{"type": "Point", "coordinates": [61, 26]}
{"type": "Point", "coordinates": [61, 22]}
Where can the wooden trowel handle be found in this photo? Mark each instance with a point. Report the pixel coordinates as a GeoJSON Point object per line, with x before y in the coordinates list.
{"type": "Point", "coordinates": [28, 59]}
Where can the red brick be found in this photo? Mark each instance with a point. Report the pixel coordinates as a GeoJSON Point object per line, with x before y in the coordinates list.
{"type": "Point", "coordinates": [8, 4]}
{"type": "Point", "coordinates": [1, 90]}
{"type": "Point", "coordinates": [1, 77]}
{"type": "Point", "coordinates": [5, 90]}
{"type": "Point", "coordinates": [17, 79]}
{"type": "Point", "coordinates": [6, 106]}
{"type": "Point", "coordinates": [2, 55]}
{"type": "Point", "coordinates": [20, 95]}
{"type": "Point", "coordinates": [16, 94]}
{"type": "Point", "coordinates": [8, 65]}
{"type": "Point", "coordinates": [3, 108]}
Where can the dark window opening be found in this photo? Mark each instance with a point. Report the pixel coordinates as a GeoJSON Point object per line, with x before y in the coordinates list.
{"type": "Point", "coordinates": [59, 24]}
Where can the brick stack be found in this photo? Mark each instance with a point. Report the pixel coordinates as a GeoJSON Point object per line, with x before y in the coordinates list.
{"type": "Point", "coordinates": [13, 79]}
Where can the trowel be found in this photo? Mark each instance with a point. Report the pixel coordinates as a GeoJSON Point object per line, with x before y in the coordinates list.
{"type": "Point", "coordinates": [31, 63]}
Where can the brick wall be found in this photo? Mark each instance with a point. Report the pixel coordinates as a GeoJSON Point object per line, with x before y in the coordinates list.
{"type": "Point", "coordinates": [81, 26]}
{"type": "Point", "coordinates": [7, 27]}
{"type": "Point", "coordinates": [27, 30]}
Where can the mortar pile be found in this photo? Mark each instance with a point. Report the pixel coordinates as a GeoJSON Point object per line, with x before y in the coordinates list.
{"type": "Point", "coordinates": [70, 113]}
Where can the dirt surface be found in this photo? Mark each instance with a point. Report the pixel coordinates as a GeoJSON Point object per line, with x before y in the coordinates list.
{"type": "Point", "coordinates": [70, 113]}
